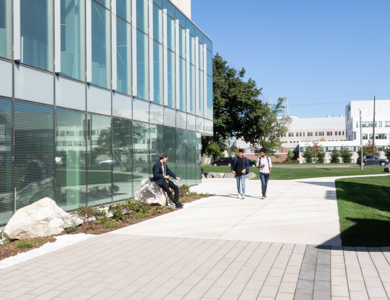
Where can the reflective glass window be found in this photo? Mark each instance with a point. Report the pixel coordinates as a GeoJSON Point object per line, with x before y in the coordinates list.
{"type": "Point", "coordinates": [192, 50]}
{"type": "Point", "coordinates": [156, 114]}
{"type": "Point", "coordinates": [182, 19]}
{"type": "Point", "coordinates": [34, 153]}
{"type": "Point", "coordinates": [105, 3]}
{"type": "Point", "coordinates": [182, 42]}
{"type": "Point", "coordinates": [169, 7]}
{"type": "Point", "coordinates": [171, 79]}
{"type": "Point", "coordinates": [209, 109]}
{"type": "Point", "coordinates": [181, 120]}
{"type": "Point", "coordinates": [70, 159]}
{"type": "Point", "coordinates": [169, 144]}
{"type": "Point", "coordinates": [171, 33]}
{"type": "Point", "coordinates": [192, 90]}
{"type": "Point", "coordinates": [156, 144]}
{"type": "Point", "coordinates": [198, 157]}
{"type": "Point", "coordinates": [199, 124]}
{"type": "Point", "coordinates": [191, 27]}
{"type": "Point", "coordinates": [6, 158]}
{"type": "Point", "coordinates": [123, 52]}
{"type": "Point", "coordinates": [142, 66]}
{"type": "Point", "coordinates": [122, 106]}
{"type": "Point", "coordinates": [158, 72]}
{"type": "Point", "coordinates": [181, 155]}
{"type": "Point", "coordinates": [122, 159]}
{"type": "Point", "coordinates": [209, 63]}
{"type": "Point", "coordinates": [73, 39]}
{"type": "Point", "coordinates": [169, 117]}
{"type": "Point", "coordinates": [36, 33]}
{"type": "Point", "coordinates": [183, 85]}
{"type": "Point", "coordinates": [200, 56]}
{"type": "Point", "coordinates": [141, 110]}
{"type": "Point", "coordinates": [123, 9]}
{"type": "Point", "coordinates": [199, 35]}
{"type": "Point", "coordinates": [6, 29]}
{"type": "Point", "coordinates": [101, 64]}
{"type": "Point", "coordinates": [159, 2]}
{"type": "Point", "coordinates": [191, 123]}
{"type": "Point", "coordinates": [157, 23]}
{"type": "Point", "coordinates": [199, 107]}
{"type": "Point", "coordinates": [99, 159]}
{"type": "Point", "coordinates": [209, 43]}
{"type": "Point", "coordinates": [142, 15]}
{"type": "Point", "coordinates": [141, 168]}
{"type": "Point", "coordinates": [192, 153]}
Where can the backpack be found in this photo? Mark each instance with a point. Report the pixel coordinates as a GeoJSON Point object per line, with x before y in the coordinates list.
{"type": "Point", "coordinates": [258, 160]}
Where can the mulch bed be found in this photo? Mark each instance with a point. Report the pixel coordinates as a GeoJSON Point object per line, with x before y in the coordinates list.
{"type": "Point", "coordinates": [93, 227]}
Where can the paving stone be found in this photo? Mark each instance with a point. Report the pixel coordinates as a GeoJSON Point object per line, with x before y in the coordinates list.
{"type": "Point", "coordinates": [305, 284]}
{"type": "Point", "coordinates": [320, 285]}
{"type": "Point", "coordinates": [321, 295]}
{"type": "Point", "coordinates": [303, 294]}
{"type": "Point", "coordinates": [358, 295]}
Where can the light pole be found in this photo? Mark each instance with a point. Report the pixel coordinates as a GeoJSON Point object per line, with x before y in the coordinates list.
{"type": "Point", "coordinates": [361, 141]}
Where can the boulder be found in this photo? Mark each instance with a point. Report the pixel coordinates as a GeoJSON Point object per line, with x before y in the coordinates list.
{"type": "Point", "coordinates": [219, 175]}
{"type": "Point", "coordinates": [150, 193]}
{"type": "Point", "coordinates": [229, 175]}
{"type": "Point", "coordinates": [40, 219]}
{"type": "Point", "coordinates": [387, 169]}
{"type": "Point", "coordinates": [251, 175]}
{"type": "Point", "coordinates": [210, 175]}
{"type": "Point", "coordinates": [204, 175]}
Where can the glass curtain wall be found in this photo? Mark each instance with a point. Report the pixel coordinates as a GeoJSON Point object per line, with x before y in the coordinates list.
{"type": "Point", "coordinates": [101, 63]}
{"type": "Point", "coordinates": [34, 153]}
{"type": "Point", "coordinates": [70, 159]}
{"type": "Point", "coordinates": [191, 158]}
{"type": "Point", "coordinates": [6, 162]}
{"type": "Point", "coordinates": [158, 72]}
{"type": "Point", "coordinates": [183, 87]}
{"type": "Point", "coordinates": [198, 157]}
{"type": "Point", "coordinates": [171, 79]}
{"type": "Point", "coordinates": [99, 159]}
{"type": "Point", "coordinates": [122, 159]}
{"type": "Point", "coordinates": [182, 148]}
{"type": "Point", "coordinates": [142, 65]}
{"type": "Point", "coordinates": [156, 144]}
{"type": "Point", "coordinates": [123, 9]}
{"type": "Point", "coordinates": [141, 160]}
{"type": "Point", "coordinates": [6, 29]}
{"type": "Point", "coordinates": [169, 146]}
{"type": "Point", "coordinates": [142, 15]}
{"type": "Point", "coordinates": [36, 33]}
{"type": "Point", "coordinates": [210, 95]}
{"type": "Point", "coordinates": [123, 53]}
{"type": "Point", "coordinates": [73, 39]}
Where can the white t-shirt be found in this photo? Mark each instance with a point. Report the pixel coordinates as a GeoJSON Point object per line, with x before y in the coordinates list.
{"type": "Point", "coordinates": [266, 161]}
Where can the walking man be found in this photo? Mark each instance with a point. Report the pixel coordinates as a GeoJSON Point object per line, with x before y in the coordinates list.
{"type": "Point", "coordinates": [264, 165]}
{"type": "Point", "coordinates": [161, 174]}
{"type": "Point", "coordinates": [239, 167]}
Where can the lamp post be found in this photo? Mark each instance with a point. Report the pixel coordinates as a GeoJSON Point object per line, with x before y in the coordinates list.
{"type": "Point", "coordinates": [361, 141]}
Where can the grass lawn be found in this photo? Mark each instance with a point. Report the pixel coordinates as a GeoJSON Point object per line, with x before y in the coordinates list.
{"type": "Point", "coordinates": [364, 210]}
{"type": "Point", "coordinates": [297, 173]}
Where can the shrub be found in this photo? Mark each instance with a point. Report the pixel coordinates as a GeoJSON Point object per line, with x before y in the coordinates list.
{"type": "Point", "coordinates": [321, 157]}
{"type": "Point", "coordinates": [345, 154]}
{"type": "Point", "coordinates": [28, 244]}
{"type": "Point", "coordinates": [71, 228]}
{"type": "Point", "coordinates": [335, 157]}
{"type": "Point", "coordinates": [308, 155]}
{"type": "Point", "coordinates": [117, 211]}
{"type": "Point", "coordinates": [290, 155]}
{"type": "Point", "coordinates": [85, 212]}
{"type": "Point", "coordinates": [4, 238]}
{"type": "Point", "coordinates": [110, 224]}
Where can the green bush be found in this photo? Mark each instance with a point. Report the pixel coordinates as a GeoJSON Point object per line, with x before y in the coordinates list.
{"type": "Point", "coordinates": [71, 228]}
{"type": "Point", "coordinates": [335, 157]}
{"type": "Point", "coordinates": [4, 237]}
{"type": "Point", "coordinates": [321, 157]}
{"type": "Point", "coordinates": [345, 154]}
{"type": "Point", "coordinates": [308, 155]}
{"type": "Point", "coordinates": [110, 224]}
{"type": "Point", "coordinates": [28, 244]}
{"type": "Point", "coordinates": [117, 211]}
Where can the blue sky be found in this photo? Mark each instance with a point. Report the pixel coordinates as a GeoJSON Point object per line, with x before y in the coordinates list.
{"type": "Point", "coordinates": [322, 54]}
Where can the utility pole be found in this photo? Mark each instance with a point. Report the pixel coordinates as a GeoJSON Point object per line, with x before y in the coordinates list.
{"type": "Point", "coordinates": [361, 141]}
{"type": "Point", "coordinates": [373, 132]}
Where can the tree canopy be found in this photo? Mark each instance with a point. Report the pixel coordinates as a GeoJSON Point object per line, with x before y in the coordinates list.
{"type": "Point", "coordinates": [240, 113]}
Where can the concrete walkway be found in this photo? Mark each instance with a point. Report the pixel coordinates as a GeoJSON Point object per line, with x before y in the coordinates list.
{"type": "Point", "coordinates": [285, 247]}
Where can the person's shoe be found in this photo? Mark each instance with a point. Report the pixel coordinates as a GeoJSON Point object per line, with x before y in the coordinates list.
{"type": "Point", "coordinates": [262, 197]}
{"type": "Point", "coordinates": [179, 205]}
{"type": "Point", "coordinates": [243, 196]}
{"type": "Point", "coordinates": [239, 196]}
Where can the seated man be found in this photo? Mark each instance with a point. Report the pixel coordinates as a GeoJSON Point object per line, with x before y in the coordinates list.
{"type": "Point", "coordinates": [161, 173]}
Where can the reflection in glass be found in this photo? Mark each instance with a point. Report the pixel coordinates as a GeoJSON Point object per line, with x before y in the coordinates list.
{"type": "Point", "coordinates": [199, 107]}
{"type": "Point", "coordinates": [140, 110]}
{"type": "Point", "coordinates": [141, 169]}
{"type": "Point", "coordinates": [182, 42]}
{"type": "Point", "coordinates": [36, 30]}
{"type": "Point", "coordinates": [182, 149]}
{"type": "Point", "coordinates": [142, 66]}
{"type": "Point", "coordinates": [183, 91]}
{"type": "Point", "coordinates": [171, 79]}
{"type": "Point", "coordinates": [157, 23]}
{"type": "Point", "coordinates": [70, 159]}
{"type": "Point", "coordinates": [209, 63]}
{"type": "Point", "coordinates": [73, 39]}
{"type": "Point", "coordinates": [142, 15]}
{"type": "Point", "coordinates": [192, 90]}
{"type": "Point", "coordinates": [192, 50]}
{"type": "Point", "coordinates": [106, 3]}
{"type": "Point", "coordinates": [122, 157]}
{"type": "Point", "coordinates": [34, 157]}
{"type": "Point", "coordinates": [123, 52]}
{"type": "Point", "coordinates": [169, 144]}
{"type": "Point", "coordinates": [156, 143]}
{"type": "Point", "coordinates": [209, 110]}
{"type": "Point", "coordinates": [5, 30]}
{"type": "Point", "coordinates": [123, 9]}
{"type": "Point", "coordinates": [192, 158]}
{"type": "Point", "coordinates": [99, 160]}
{"type": "Point", "coordinates": [156, 114]}
{"type": "Point", "coordinates": [101, 64]}
{"type": "Point", "coordinates": [169, 7]}
{"type": "Point", "coordinates": [171, 34]}
{"type": "Point", "coordinates": [6, 184]}
{"type": "Point", "coordinates": [158, 72]}
{"type": "Point", "coordinates": [182, 19]}
{"type": "Point", "coordinates": [198, 157]}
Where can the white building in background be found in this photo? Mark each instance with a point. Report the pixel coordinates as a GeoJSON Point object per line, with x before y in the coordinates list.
{"type": "Point", "coordinates": [382, 121]}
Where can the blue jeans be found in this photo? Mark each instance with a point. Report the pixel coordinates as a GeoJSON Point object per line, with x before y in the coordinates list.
{"type": "Point", "coordinates": [264, 181]}
{"type": "Point", "coordinates": [242, 180]}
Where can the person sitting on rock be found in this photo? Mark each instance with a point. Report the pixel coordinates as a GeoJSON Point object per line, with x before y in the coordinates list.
{"type": "Point", "coordinates": [161, 174]}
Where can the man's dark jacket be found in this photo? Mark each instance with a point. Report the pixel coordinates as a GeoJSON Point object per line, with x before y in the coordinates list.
{"type": "Point", "coordinates": [245, 164]}
{"type": "Point", "coordinates": [158, 172]}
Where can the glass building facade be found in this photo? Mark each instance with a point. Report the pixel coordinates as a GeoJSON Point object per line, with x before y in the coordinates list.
{"type": "Point", "coordinates": [91, 92]}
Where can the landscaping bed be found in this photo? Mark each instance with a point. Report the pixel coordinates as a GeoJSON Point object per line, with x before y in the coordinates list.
{"type": "Point", "coordinates": [97, 221]}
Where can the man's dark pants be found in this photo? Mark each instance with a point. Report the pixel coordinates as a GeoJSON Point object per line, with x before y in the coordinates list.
{"type": "Point", "coordinates": [165, 185]}
{"type": "Point", "coordinates": [264, 181]}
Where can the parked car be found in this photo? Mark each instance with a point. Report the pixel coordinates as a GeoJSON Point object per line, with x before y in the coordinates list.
{"type": "Point", "coordinates": [252, 163]}
{"type": "Point", "coordinates": [226, 161]}
{"type": "Point", "coordinates": [373, 160]}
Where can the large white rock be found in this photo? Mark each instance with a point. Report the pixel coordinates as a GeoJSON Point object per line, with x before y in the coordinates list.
{"type": "Point", "coordinates": [150, 193]}
{"type": "Point", "coordinates": [40, 219]}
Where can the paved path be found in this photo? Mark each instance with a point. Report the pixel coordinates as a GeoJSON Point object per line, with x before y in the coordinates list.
{"type": "Point", "coordinates": [221, 248]}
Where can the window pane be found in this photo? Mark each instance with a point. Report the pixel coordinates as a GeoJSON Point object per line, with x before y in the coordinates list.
{"type": "Point", "coordinates": [169, 143]}
{"type": "Point", "coordinates": [142, 15]}
{"type": "Point", "coordinates": [169, 7]}
{"type": "Point", "coordinates": [6, 167]}
{"type": "Point", "coordinates": [36, 30]}
{"type": "Point", "coordinates": [209, 109]}
{"type": "Point", "coordinates": [73, 39]}
{"type": "Point", "coordinates": [159, 3]}
{"type": "Point", "coordinates": [191, 27]}
{"type": "Point", "coordinates": [141, 110]}
{"type": "Point", "coordinates": [192, 92]}
{"type": "Point", "coordinates": [101, 64]}
{"type": "Point", "coordinates": [192, 158]}
{"type": "Point", "coordinates": [182, 42]}
{"type": "Point", "coordinates": [34, 153]}
{"type": "Point", "coordinates": [182, 19]}
{"type": "Point", "coordinates": [156, 114]}
{"type": "Point", "coordinates": [171, 33]}
{"type": "Point", "coordinates": [99, 160]}
{"type": "Point", "coordinates": [106, 3]}
{"type": "Point", "coordinates": [183, 91]}
{"type": "Point", "coordinates": [123, 56]}
{"type": "Point", "coordinates": [181, 155]}
{"type": "Point", "coordinates": [208, 43]}
{"type": "Point", "coordinates": [142, 66]}
{"type": "Point", "coordinates": [209, 63]}
{"type": "Point", "coordinates": [156, 144]}
{"type": "Point", "coordinates": [6, 29]}
{"type": "Point", "coordinates": [192, 50]}
{"type": "Point", "coordinates": [122, 157]}
{"type": "Point", "coordinates": [199, 108]}
{"type": "Point", "coordinates": [158, 72]}
{"type": "Point", "coordinates": [141, 167]}
{"type": "Point", "coordinates": [70, 159]}
{"type": "Point", "coordinates": [123, 9]}
{"type": "Point", "coordinates": [171, 79]}
{"type": "Point", "coordinates": [157, 23]}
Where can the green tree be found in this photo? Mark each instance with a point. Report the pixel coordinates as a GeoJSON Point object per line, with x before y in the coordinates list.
{"type": "Point", "coordinates": [321, 157]}
{"type": "Point", "coordinates": [213, 149]}
{"type": "Point", "coordinates": [345, 154]}
{"type": "Point", "coordinates": [387, 152]}
{"type": "Point", "coordinates": [290, 155]}
{"type": "Point", "coordinates": [335, 156]}
{"type": "Point", "coordinates": [309, 155]}
{"type": "Point", "coordinates": [239, 113]}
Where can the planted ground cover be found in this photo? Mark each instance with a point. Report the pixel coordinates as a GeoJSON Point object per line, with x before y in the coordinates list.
{"type": "Point", "coordinates": [297, 173]}
{"type": "Point", "coordinates": [364, 211]}
{"type": "Point", "coordinates": [124, 214]}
